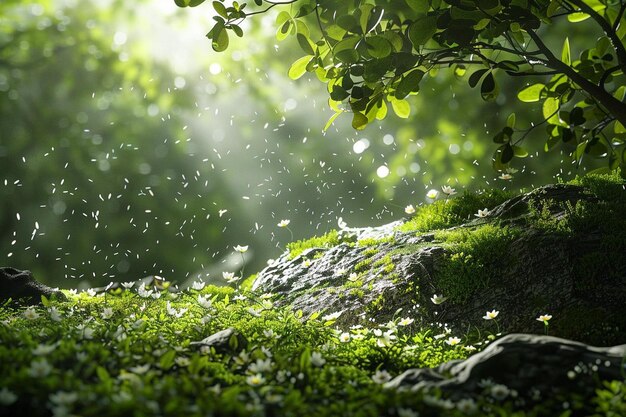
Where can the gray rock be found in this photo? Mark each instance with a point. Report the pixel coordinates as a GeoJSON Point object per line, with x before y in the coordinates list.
{"type": "Point", "coordinates": [22, 287]}
{"type": "Point", "coordinates": [538, 273]}
{"type": "Point", "coordinates": [522, 362]}
{"type": "Point", "coordinates": [224, 341]}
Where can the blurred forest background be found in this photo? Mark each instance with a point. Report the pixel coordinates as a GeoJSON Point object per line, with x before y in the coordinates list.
{"type": "Point", "coordinates": [128, 148]}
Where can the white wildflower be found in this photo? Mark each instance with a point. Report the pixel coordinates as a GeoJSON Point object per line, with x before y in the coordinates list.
{"type": "Point", "coordinates": [31, 314]}
{"type": "Point", "coordinates": [317, 359]}
{"type": "Point", "coordinates": [198, 285]}
{"type": "Point", "coordinates": [7, 397]}
{"type": "Point", "coordinates": [380, 377]}
{"type": "Point", "coordinates": [482, 213]}
{"type": "Point", "coordinates": [409, 209]}
{"type": "Point", "coordinates": [438, 299]}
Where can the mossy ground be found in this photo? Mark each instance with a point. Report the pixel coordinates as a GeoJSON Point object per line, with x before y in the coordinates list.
{"type": "Point", "coordinates": [129, 352]}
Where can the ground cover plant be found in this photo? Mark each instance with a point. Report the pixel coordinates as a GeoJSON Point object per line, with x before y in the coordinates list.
{"type": "Point", "coordinates": [137, 349]}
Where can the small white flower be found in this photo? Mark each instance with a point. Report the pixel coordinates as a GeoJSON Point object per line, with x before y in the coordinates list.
{"type": "Point", "coordinates": [284, 223]}
{"type": "Point", "coordinates": [63, 398]}
{"type": "Point", "coordinates": [254, 312]}
{"type": "Point", "coordinates": [453, 341]}
{"type": "Point", "coordinates": [173, 312]}
{"type": "Point", "coordinates": [544, 318]}
{"type": "Point", "coordinates": [143, 292]}
{"type": "Point", "coordinates": [204, 301]}
{"type": "Point", "coordinates": [386, 339]}
{"type": "Point", "coordinates": [353, 277]}
{"type": "Point", "coordinates": [55, 314]}
{"type": "Point", "coordinates": [317, 359]}
{"type": "Point", "coordinates": [409, 209]}
{"type": "Point", "coordinates": [240, 297]}
{"type": "Point", "coordinates": [447, 190]}
{"type": "Point", "coordinates": [7, 397]}
{"type": "Point", "coordinates": [482, 213]}
{"type": "Point", "coordinates": [182, 361]}
{"type": "Point", "coordinates": [86, 332]}
{"type": "Point", "coordinates": [406, 321]}
{"type": "Point", "coordinates": [107, 313]}
{"type": "Point", "coordinates": [505, 176]}
{"type": "Point", "coordinates": [42, 350]}
{"type": "Point", "coordinates": [438, 299]}
{"type": "Point", "coordinates": [39, 368]}
{"type": "Point", "coordinates": [270, 334]}
{"type": "Point", "coordinates": [467, 406]}
{"type": "Point", "coordinates": [499, 391]}
{"type": "Point", "coordinates": [432, 194]}
{"type": "Point", "coordinates": [198, 285]}
{"type": "Point", "coordinates": [340, 271]}
{"type": "Point", "coordinates": [156, 295]}
{"type": "Point", "coordinates": [241, 249]}
{"type": "Point", "coordinates": [230, 277]}
{"type": "Point", "coordinates": [260, 366]}
{"type": "Point", "coordinates": [128, 285]}
{"type": "Point", "coordinates": [255, 380]}
{"type": "Point", "coordinates": [91, 292]}
{"type": "Point", "coordinates": [307, 263]}
{"type": "Point", "coordinates": [490, 315]}
{"type": "Point", "coordinates": [380, 377]}
{"type": "Point", "coordinates": [407, 412]}
{"type": "Point", "coordinates": [31, 314]}
{"type": "Point", "coordinates": [140, 369]}
{"type": "Point", "coordinates": [344, 337]}
{"type": "Point", "coordinates": [332, 316]}
{"type": "Point", "coordinates": [470, 348]}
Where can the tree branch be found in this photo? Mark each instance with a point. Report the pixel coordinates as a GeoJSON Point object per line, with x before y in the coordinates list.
{"type": "Point", "coordinates": [608, 30]}
{"type": "Point", "coordinates": [613, 105]}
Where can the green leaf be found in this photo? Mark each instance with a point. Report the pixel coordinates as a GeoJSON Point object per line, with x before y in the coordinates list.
{"type": "Point", "coordinates": [45, 301]}
{"type": "Point", "coordinates": [359, 121]}
{"type": "Point", "coordinates": [476, 76]}
{"type": "Point", "coordinates": [565, 53]}
{"type": "Point", "coordinates": [282, 17]}
{"type": "Point", "coordinates": [489, 89]}
{"type": "Point", "coordinates": [577, 17]}
{"type": "Point", "coordinates": [167, 360]}
{"type": "Point", "coordinates": [531, 93]}
{"type": "Point", "coordinates": [326, 127]}
{"type": "Point", "coordinates": [422, 30]}
{"type": "Point", "coordinates": [551, 107]}
{"type": "Point", "coordinates": [305, 359]}
{"type": "Point", "coordinates": [220, 38]}
{"type": "Point", "coordinates": [305, 44]}
{"type": "Point", "coordinates": [420, 6]}
{"type": "Point", "coordinates": [507, 153]}
{"type": "Point", "coordinates": [378, 46]}
{"type": "Point", "coordinates": [298, 68]}
{"type": "Point", "coordinates": [182, 3]}
{"type": "Point", "coordinates": [510, 121]}
{"type": "Point", "coordinates": [194, 3]}
{"type": "Point", "coordinates": [519, 152]}
{"type": "Point", "coordinates": [220, 9]}
{"type": "Point", "coordinates": [238, 31]}
{"type": "Point", "coordinates": [410, 83]}
{"type": "Point", "coordinates": [284, 30]}
{"type": "Point", "coordinates": [401, 108]}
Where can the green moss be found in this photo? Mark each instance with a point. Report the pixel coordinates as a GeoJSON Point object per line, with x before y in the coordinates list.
{"type": "Point", "coordinates": [363, 265]}
{"type": "Point", "coordinates": [474, 258]}
{"type": "Point", "coordinates": [371, 252]}
{"type": "Point", "coordinates": [374, 242]}
{"type": "Point", "coordinates": [246, 284]}
{"type": "Point", "coordinates": [609, 187]}
{"type": "Point", "coordinates": [453, 212]}
{"type": "Point", "coordinates": [327, 240]}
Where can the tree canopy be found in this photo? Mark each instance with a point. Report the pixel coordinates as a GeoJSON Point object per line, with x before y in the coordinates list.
{"type": "Point", "coordinates": [375, 54]}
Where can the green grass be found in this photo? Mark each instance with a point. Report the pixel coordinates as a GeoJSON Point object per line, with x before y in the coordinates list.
{"type": "Point", "coordinates": [451, 212]}
{"type": "Point", "coordinates": [126, 355]}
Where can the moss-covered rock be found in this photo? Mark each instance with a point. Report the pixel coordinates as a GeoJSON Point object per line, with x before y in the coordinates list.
{"type": "Point", "coordinates": [556, 250]}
